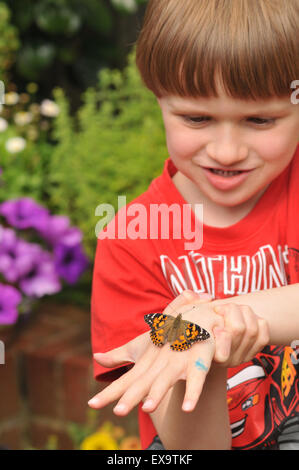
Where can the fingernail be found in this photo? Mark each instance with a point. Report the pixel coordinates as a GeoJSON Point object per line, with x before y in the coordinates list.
{"type": "Point", "coordinates": [187, 405]}
{"type": "Point", "coordinates": [92, 402]}
{"type": "Point", "coordinates": [148, 404]}
{"type": "Point", "coordinates": [120, 408]}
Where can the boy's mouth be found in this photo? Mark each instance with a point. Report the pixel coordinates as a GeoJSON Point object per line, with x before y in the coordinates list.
{"type": "Point", "coordinates": [225, 172]}
{"type": "Point", "coordinates": [225, 179]}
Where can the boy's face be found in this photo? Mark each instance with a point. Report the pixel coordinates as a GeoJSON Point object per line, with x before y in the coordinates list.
{"type": "Point", "coordinates": [209, 137]}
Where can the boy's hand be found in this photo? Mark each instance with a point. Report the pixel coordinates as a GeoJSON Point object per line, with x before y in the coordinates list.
{"type": "Point", "coordinates": [156, 370]}
{"type": "Point", "coordinates": [247, 334]}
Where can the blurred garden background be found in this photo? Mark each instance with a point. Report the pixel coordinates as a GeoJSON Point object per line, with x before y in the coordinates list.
{"type": "Point", "coordinates": [77, 129]}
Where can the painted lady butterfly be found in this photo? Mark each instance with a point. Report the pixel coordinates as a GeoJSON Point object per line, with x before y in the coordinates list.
{"type": "Point", "coordinates": [180, 333]}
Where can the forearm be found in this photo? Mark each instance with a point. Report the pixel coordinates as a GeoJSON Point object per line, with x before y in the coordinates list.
{"type": "Point", "coordinates": [207, 427]}
{"type": "Point", "coordinates": [279, 306]}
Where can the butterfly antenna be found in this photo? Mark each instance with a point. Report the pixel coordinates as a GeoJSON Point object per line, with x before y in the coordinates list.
{"type": "Point", "coordinates": [175, 311]}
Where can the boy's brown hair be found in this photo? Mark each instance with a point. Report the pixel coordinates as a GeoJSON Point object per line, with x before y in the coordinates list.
{"type": "Point", "coordinates": [252, 46]}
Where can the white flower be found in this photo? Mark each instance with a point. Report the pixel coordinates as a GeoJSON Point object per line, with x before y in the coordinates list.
{"type": "Point", "coordinates": [129, 5]}
{"type": "Point", "coordinates": [22, 118]}
{"type": "Point", "coordinates": [3, 124]}
{"type": "Point", "coordinates": [49, 108]}
{"type": "Point", "coordinates": [11, 98]}
{"type": "Point", "coordinates": [15, 144]}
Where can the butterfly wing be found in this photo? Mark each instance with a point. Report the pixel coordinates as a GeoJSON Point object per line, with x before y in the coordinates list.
{"type": "Point", "coordinates": [160, 325]}
{"type": "Point", "coordinates": [188, 334]}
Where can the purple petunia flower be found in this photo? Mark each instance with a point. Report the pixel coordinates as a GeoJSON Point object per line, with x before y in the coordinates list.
{"type": "Point", "coordinates": [24, 213]}
{"type": "Point", "coordinates": [41, 278]}
{"type": "Point", "coordinates": [10, 298]}
{"type": "Point", "coordinates": [15, 255]}
{"type": "Point", "coordinates": [70, 262]}
{"type": "Point", "coordinates": [57, 230]}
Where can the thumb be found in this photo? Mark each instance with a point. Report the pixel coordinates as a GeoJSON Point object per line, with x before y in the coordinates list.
{"type": "Point", "coordinates": [128, 352]}
{"type": "Point", "coordinates": [114, 357]}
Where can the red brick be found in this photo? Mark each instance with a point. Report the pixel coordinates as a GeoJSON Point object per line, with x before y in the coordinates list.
{"type": "Point", "coordinates": [43, 370]}
{"type": "Point", "coordinates": [10, 399]}
{"type": "Point", "coordinates": [77, 385]}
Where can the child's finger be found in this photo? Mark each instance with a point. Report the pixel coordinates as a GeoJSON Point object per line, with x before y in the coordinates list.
{"type": "Point", "coordinates": [112, 392]}
{"type": "Point", "coordinates": [159, 389]}
{"type": "Point", "coordinates": [141, 385]}
{"type": "Point", "coordinates": [194, 383]}
{"type": "Point", "coordinates": [261, 341]}
{"type": "Point", "coordinates": [233, 321]}
{"type": "Point", "coordinates": [223, 341]}
{"type": "Point", "coordinates": [250, 334]}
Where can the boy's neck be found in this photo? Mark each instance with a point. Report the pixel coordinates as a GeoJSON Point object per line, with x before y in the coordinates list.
{"type": "Point", "coordinates": [214, 214]}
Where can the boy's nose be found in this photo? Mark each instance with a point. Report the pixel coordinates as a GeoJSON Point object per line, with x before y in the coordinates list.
{"type": "Point", "coordinates": [227, 153]}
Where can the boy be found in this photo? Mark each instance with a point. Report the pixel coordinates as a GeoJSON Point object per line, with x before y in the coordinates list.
{"type": "Point", "coordinates": [221, 71]}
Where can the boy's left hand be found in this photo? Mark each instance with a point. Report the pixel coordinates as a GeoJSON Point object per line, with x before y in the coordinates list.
{"type": "Point", "coordinates": [246, 334]}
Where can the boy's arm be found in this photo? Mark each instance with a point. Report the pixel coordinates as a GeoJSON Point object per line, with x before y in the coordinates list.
{"type": "Point", "coordinates": [278, 306]}
{"type": "Point", "coordinates": [207, 427]}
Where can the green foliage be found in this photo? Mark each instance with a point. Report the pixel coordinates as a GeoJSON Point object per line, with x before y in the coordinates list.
{"type": "Point", "coordinates": [9, 42]}
{"type": "Point", "coordinates": [68, 41]}
{"type": "Point", "coordinates": [24, 170]}
{"type": "Point", "coordinates": [114, 147]}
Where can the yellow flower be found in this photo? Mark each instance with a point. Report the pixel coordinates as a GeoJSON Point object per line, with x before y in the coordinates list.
{"type": "Point", "coordinates": [118, 432]}
{"type": "Point", "coordinates": [130, 443]}
{"type": "Point", "coordinates": [100, 440]}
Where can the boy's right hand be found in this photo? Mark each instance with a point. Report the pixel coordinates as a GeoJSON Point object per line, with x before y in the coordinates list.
{"type": "Point", "coordinates": [156, 370]}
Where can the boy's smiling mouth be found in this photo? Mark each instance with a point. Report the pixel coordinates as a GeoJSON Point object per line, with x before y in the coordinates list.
{"type": "Point", "coordinates": [225, 179]}
{"type": "Point", "coordinates": [226, 173]}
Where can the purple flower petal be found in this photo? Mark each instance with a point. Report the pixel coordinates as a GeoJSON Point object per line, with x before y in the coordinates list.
{"type": "Point", "coordinates": [41, 279]}
{"type": "Point", "coordinates": [24, 213]}
{"type": "Point", "coordinates": [10, 298]}
{"type": "Point", "coordinates": [16, 255]}
{"type": "Point", "coordinates": [70, 262]}
{"type": "Point", "coordinates": [54, 228]}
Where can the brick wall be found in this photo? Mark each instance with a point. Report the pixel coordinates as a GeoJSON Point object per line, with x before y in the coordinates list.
{"type": "Point", "coordinates": [47, 380]}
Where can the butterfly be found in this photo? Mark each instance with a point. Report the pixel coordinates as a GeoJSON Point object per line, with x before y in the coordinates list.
{"type": "Point", "coordinates": [180, 333]}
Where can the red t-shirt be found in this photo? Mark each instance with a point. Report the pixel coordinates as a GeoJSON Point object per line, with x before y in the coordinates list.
{"type": "Point", "coordinates": [133, 277]}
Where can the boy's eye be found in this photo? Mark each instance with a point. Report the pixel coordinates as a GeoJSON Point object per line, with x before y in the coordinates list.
{"type": "Point", "coordinates": [261, 121]}
{"type": "Point", "coordinates": [196, 119]}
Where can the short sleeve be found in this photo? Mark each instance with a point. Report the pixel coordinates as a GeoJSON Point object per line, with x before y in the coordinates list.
{"type": "Point", "coordinates": [126, 285]}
